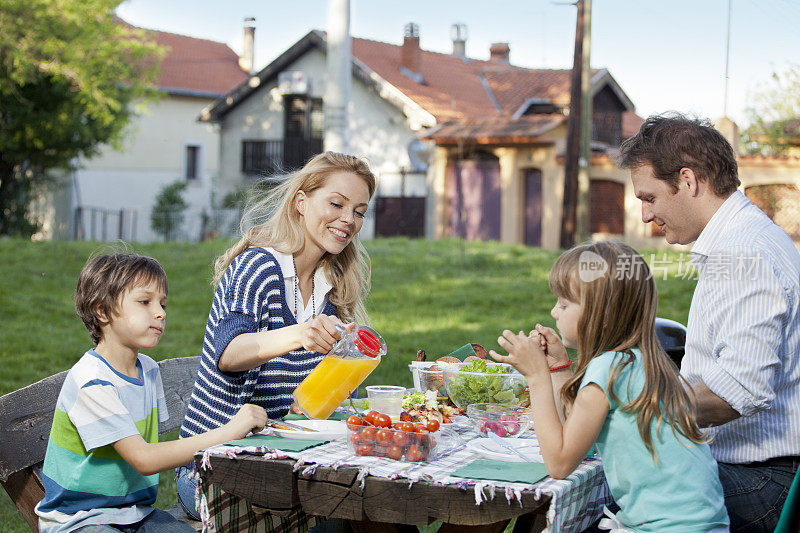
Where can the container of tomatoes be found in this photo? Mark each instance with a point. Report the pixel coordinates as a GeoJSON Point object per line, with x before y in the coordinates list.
{"type": "Point", "coordinates": [375, 435]}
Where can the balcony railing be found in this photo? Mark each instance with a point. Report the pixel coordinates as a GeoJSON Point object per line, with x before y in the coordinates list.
{"type": "Point", "coordinates": [275, 156]}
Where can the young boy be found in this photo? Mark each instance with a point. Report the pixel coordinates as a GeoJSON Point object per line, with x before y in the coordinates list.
{"type": "Point", "coordinates": [101, 467]}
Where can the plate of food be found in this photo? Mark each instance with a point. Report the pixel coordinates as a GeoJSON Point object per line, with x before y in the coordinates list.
{"type": "Point", "coordinates": [316, 429]}
{"type": "Point", "coordinates": [491, 450]}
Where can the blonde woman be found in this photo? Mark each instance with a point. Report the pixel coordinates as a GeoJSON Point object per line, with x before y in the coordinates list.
{"type": "Point", "coordinates": [280, 292]}
{"type": "Point", "coordinates": [625, 396]}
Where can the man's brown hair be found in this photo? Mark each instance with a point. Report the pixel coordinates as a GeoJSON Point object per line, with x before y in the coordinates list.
{"type": "Point", "coordinates": [103, 281]}
{"type": "Point", "coordinates": [673, 141]}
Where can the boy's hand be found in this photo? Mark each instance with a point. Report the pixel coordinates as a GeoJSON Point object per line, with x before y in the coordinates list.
{"type": "Point", "coordinates": [524, 353]}
{"type": "Point", "coordinates": [249, 418]}
{"type": "Point", "coordinates": [319, 334]}
{"type": "Point", "coordinates": [551, 345]}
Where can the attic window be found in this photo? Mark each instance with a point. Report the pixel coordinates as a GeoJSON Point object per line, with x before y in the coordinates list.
{"type": "Point", "coordinates": [537, 106]}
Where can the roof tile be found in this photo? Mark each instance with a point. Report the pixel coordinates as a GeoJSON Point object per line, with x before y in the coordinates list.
{"type": "Point", "coordinates": [196, 65]}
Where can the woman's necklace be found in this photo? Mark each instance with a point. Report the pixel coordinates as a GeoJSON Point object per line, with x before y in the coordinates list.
{"type": "Point", "coordinates": [297, 292]}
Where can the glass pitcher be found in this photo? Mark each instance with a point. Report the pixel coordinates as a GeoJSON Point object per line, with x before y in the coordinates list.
{"type": "Point", "coordinates": [349, 362]}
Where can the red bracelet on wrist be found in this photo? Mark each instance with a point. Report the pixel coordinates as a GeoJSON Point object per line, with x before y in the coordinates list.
{"type": "Point", "coordinates": [561, 367]}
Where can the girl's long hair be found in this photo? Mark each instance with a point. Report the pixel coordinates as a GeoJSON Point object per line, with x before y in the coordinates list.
{"type": "Point", "coordinates": [274, 221]}
{"type": "Point", "coordinates": [618, 312]}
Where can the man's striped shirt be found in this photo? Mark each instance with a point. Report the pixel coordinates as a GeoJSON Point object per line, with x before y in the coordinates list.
{"type": "Point", "coordinates": [744, 331]}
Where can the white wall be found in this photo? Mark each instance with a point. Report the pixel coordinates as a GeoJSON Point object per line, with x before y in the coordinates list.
{"type": "Point", "coordinates": [377, 131]}
{"type": "Point", "coordinates": [152, 155]}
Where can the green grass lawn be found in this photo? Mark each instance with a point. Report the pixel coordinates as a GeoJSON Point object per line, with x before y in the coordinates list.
{"type": "Point", "coordinates": [433, 295]}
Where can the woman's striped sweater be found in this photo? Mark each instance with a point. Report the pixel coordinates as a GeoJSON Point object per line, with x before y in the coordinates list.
{"type": "Point", "coordinates": [250, 297]}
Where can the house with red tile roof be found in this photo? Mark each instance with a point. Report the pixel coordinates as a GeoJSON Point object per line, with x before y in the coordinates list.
{"type": "Point", "coordinates": [462, 147]}
{"type": "Point", "coordinates": [111, 195]}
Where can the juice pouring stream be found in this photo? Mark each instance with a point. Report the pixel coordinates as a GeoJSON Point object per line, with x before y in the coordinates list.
{"type": "Point", "coordinates": [343, 369]}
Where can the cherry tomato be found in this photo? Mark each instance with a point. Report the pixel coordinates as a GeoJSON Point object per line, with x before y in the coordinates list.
{"type": "Point", "coordinates": [355, 420]}
{"type": "Point", "coordinates": [365, 449]}
{"type": "Point", "coordinates": [368, 434]}
{"type": "Point", "coordinates": [384, 436]}
{"type": "Point", "coordinates": [355, 438]}
{"type": "Point", "coordinates": [405, 426]}
{"type": "Point", "coordinates": [370, 417]}
{"type": "Point", "coordinates": [394, 452]}
{"type": "Point", "coordinates": [401, 438]}
{"type": "Point", "coordinates": [433, 425]}
{"type": "Point", "coordinates": [382, 421]}
{"type": "Point", "coordinates": [414, 453]}
{"type": "Point", "coordinates": [419, 427]}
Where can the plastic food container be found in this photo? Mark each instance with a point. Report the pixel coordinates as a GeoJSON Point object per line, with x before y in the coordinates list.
{"type": "Point", "coordinates": [465, 388]}
{"type": "Point", "coordinates": [501, 419]}
{"type": "Point", "coordinates": [397, 444]}
{"type": "Point", "coordinates": [426, 379]}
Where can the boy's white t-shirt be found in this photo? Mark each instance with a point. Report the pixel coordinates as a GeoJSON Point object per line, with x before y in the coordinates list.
{"type": "Point", "coordinates": [85, 480]}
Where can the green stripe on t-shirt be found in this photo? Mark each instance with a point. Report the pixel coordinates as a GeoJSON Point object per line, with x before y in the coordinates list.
{"type": "Point", "coordinates": [110, 477]}
{"type": "Point", "coordinates": [65, 435]}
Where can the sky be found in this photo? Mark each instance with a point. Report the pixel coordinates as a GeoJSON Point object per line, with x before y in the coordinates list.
{"type": "Point", "coordinates": [665, 54]}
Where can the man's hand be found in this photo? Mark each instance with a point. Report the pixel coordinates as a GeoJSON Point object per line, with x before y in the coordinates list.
{"type": "Point", "coordinates": [711, 409]}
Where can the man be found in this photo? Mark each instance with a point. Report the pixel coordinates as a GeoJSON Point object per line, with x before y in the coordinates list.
{"type": "Point", "coordinates": [743, 345]}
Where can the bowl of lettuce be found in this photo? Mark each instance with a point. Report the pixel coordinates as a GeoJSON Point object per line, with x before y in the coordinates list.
{"type": "Point", "coordinates": [484, 382]}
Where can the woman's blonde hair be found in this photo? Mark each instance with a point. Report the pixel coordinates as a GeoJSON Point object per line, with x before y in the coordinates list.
{"type": "Point", "coordinates": [274, 221]}
{"type": "Point", "coordinates": [618, 298]}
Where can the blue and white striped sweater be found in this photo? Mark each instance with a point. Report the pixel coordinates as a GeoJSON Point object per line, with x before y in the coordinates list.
{"type": "Point", "coordinates": [250, 297]}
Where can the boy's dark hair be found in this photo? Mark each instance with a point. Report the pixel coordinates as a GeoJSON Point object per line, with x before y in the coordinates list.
{"type": "Point", "coordinates": [103, 281]}
{"type": "Point", "coordinates": [673, 141]}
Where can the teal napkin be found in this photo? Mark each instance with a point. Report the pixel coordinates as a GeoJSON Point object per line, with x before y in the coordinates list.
{"type": "Point", "coordinates": [502, 471]}
{"type": "Point", "coordinates": [463, 352]}
{"type": "Point", "coordinates": [279, 443]}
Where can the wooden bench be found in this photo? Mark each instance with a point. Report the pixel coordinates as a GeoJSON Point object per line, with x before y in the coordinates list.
{"type": "Point", "coordinates": [26, 416]}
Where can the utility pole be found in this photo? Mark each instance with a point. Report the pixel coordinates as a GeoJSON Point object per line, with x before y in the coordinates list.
{"type": "Point", "coordinates": [727, 55]}
{"type": "Point", "coordinates": [339, 70]}
{"type": "Point", "coordinates": [575, 212]}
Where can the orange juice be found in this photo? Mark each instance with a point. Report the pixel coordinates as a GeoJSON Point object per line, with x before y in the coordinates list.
{"type": "Point", "coordinates": [328, 385]}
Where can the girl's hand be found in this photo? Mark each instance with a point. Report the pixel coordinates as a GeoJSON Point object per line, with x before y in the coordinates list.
{"type": "Point", "coordinates": [524, 353]}
{"type": "Point", "coordinates": [319, 334]}
{"type": "Point", "coordinates": [551, 345]}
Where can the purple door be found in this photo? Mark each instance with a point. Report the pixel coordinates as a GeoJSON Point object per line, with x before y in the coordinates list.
{"type": "Point", "coordinates": [474, 198]}
{"type": "Point", "coordinates": [533, 207]}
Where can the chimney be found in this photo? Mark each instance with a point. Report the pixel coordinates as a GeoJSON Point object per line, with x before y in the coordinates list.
{"type": "Point", "coordinates": [458, 33]}
{"type": "Point", "coordinates": [410, 55]}
{"type": "Point", "coordinates": [498, 53]}
{"type": "Point", "coordinates": [730, 131]}
{"type": "Point", "coordinates": [246, 60]}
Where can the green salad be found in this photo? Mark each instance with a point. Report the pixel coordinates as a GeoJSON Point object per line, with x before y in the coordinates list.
{"type": "Point", "coordinates": [465, 389]}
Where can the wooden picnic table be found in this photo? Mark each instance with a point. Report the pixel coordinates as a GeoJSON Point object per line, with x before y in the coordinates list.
{"type": "Point", "coordinates": [383, 504]}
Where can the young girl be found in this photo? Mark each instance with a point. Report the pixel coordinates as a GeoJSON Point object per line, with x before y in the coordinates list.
{"type": "Point", "coordinates": [625, 396]}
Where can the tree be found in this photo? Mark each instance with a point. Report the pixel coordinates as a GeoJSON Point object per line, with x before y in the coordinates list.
{"type": "Point", "coordinates": [70, 72]}
{"type": "Point", "coordinates": [167, 214]}
{"type": "Point", "coordinates": [774, 116]}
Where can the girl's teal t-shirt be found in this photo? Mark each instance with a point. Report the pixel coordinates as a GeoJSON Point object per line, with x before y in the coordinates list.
{"type": "Point", "coordinates": [682, 491]}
